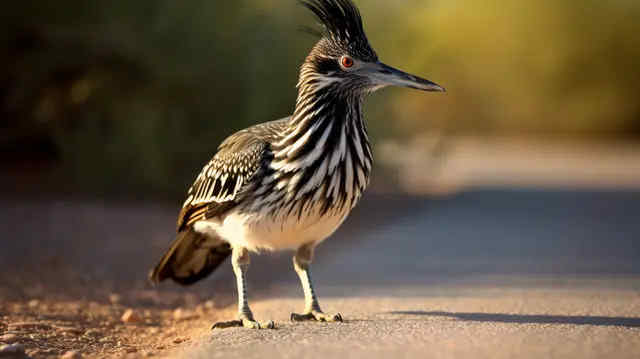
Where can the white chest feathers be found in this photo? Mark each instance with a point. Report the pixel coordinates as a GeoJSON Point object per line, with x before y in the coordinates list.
{"type": "Point", "coordinates": [264, 232]}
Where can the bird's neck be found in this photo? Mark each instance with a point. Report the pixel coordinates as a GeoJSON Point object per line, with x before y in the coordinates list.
{"type": "Point", "coordinates": [325, 152]}
{"type": "Point", "coordinates": [325, 119]}
{"type": "Point", "coordinates": [321, 102]}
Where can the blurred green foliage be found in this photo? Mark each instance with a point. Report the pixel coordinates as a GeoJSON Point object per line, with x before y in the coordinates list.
{"type": "Point", "coordinates": [133, 97]}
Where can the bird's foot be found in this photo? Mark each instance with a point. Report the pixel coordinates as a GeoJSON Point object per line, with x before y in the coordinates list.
{"type": "Point", "coordinates": [317, 316]}
{"type": "Point", "coordinates": [244, 322]}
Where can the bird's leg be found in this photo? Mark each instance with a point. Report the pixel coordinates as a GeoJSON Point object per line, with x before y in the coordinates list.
{"type": "Point", "coordinates": [301, 261]}
{"type": "Point", "coordinates": [240, 261]}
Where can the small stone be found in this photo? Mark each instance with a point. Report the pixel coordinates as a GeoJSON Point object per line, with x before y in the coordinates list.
{"type": "Point", "coordinates": [114, 298]}
{"type": "Point", "coordinates": [131, 350]}
{"type": "Point", "coordinates": [36, 353]}
{"type": "Point", "coordinates": [130, 316]}
{"type": "Point", "coordinates": [33, 303]}
{"type": "Point", "coordinates": [12, 351]}
{"type": "Point", "coordinates": [92, 333]}
{"type": "Point", "coordinates": [178, 314]}
{"type": "Point", "coordinates": [209, 304]}
{"type": "Point", "coordinates": [179, 340]}
{"type": "Point", "coordinates": [146, 353]}
{"type": "Point", "coordinates": [160, 347]}
{"type": "Point", "coordinates": [71, 354]}
{"type": "Point", "coordinates": [183, 314]}
{"type": "Point", "coordinates": [69, 330]}
{"type": "Point", "coordinates": [9, 338]}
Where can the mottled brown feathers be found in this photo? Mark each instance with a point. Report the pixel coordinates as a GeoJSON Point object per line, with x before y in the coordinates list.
{"type": "Point", "coordinates": [229, 172]}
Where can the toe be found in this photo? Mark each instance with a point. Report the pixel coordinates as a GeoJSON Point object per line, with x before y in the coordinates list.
{"type": "Point", "coordinates": [251, 324]}
{"type": "Point", "coordinates": [295, 317]}
{"type": "Point", "coordinates": [322, 317]}
{"type": "Point", "coordinates": [246, 323]}
{"type": "Point", "coordinates": [229, 324]}
{"type": "Point", "coordinates": [317, 316]}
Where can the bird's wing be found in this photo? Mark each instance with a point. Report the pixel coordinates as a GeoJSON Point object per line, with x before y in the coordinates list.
{"type": "Point", "coordinates": [229, 172]}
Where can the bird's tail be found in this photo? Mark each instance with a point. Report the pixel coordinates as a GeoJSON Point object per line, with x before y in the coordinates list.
{"type": "Point", "coordinates": [191, 257]}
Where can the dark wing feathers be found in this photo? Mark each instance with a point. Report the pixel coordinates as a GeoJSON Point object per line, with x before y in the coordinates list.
{"type": "Point", "coordinates": [229, 172]}
{"type": "Point", "coordinates": [220, 181]}
{"type": "Point", "coordinates": [191, 257]}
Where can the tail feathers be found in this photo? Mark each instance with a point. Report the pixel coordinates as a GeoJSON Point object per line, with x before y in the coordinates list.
{"type": "Point", "coordinates": [191, 257]}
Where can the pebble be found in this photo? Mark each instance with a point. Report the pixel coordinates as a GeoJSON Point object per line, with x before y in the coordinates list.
{"type": "Point", "coordinates": [33, 303]}
{"type": "Point", "coordinates": [114, 298]}
{"type": "Point", "coordinates": [210, 304]}
{"type": "Point", "coordinates": [92, 333]}
{"type": "Point", "coordinates": [71, 354]}
{"type": "Point", "coordinates": [178, 313]}
{"type": "Point", "coordinates": [69, 330]}
{"type": "Point", "coordinates": [183, 314]}
{"type": "Point", "coordinates": [9, 338]}
{"type": "Point", "coordinates": [130, 316]}
{"type": "Point", "coordinates": [180, 340]}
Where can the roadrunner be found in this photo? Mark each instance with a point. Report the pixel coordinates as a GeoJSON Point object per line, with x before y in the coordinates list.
{"type": "Point", "coordinates": [290, 183]}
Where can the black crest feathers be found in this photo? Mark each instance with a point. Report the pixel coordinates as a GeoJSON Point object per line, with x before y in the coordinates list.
{"type": "Point", "coordinates": [341, 21]}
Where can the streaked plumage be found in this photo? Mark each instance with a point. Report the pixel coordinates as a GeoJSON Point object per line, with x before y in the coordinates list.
{"type": "Point", "coordinates": [290, 183]}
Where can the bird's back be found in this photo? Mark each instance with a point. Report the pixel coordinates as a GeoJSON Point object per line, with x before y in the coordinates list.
{"type": "Point", "coordinates": [240, 159]}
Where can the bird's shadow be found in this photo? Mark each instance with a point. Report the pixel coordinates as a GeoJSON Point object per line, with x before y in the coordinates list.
{"type": "Point", "coordinates": [630, 322]}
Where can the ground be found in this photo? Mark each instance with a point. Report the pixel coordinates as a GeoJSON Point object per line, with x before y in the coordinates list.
{"type": "Point", "coordinates": [491, 273]}
{"type": "Point", "coordinates": [471, 320]}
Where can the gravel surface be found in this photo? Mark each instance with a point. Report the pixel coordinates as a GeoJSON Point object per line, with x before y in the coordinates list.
{"type": "Point", "coordinates": [578, 319]}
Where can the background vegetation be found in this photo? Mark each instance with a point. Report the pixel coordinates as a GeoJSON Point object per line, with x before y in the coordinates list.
{"type": "Point", "coordinates": [132, 97]}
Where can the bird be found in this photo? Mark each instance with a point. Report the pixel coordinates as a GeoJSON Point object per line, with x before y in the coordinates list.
{"type": "Point", "coordinates": [288, 184]}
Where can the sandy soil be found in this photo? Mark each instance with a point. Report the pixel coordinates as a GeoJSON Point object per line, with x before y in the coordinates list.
{"type": "Point", "coordinates": [52, 328]}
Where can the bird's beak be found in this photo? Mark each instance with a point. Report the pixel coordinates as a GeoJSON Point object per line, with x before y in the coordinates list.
{"type": "Point", "coordinates": [383, 75]}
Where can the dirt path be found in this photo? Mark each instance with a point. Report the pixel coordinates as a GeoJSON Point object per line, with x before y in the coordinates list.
{"type": "Point", "coordinates": [482, 274]}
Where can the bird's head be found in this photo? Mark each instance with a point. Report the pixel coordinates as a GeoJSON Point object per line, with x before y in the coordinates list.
{"type": "Point", "coordinates": [344, 58]}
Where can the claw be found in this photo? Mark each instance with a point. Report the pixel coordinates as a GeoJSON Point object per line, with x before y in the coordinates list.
{"type": "Point", "coordinates": [246, 323]}
{"type": "Point", "coordinates": [295, 317]}
{"type": "Point", "coordinates": [229, 324]}
{"type": "Point", "coordinates": [317, 316]}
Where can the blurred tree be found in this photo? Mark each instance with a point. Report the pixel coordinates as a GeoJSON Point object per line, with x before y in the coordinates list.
{"type": "Point", "coordinates": [132, 98]}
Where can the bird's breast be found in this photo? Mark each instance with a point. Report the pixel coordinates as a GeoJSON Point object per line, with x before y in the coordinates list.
{"type": "Point", "coordinates": [269, 231]}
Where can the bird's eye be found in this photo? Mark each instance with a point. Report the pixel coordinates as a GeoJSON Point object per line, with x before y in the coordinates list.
{"type": "Point", "coordinates": [346, 62]}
